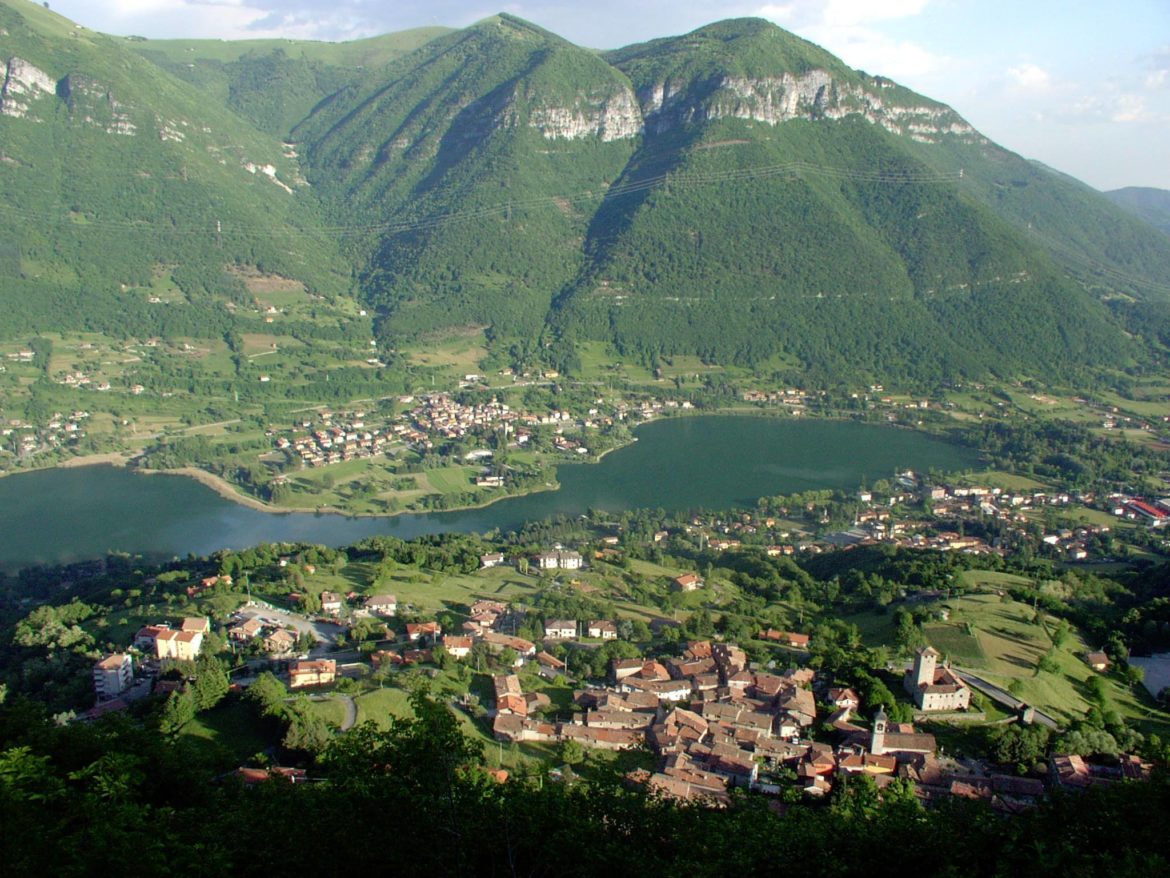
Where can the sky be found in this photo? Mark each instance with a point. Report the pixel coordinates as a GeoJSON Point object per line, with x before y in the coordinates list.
{"type": "Point", "coordinates": [1081, 85]}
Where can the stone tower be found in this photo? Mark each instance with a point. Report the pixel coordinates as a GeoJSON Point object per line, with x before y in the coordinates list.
{"type": "Point", "coordinates": [924, 666]}
{"type": "Point", "coordinates": [877, 741]}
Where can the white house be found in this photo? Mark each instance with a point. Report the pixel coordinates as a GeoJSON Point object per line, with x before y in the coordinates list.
{"type": "Point", "coordinates": [112, 676]}
{"type": "Point", "coordinates": [560, 629]}
{"type": "Point", "coordinates": [382, 605]}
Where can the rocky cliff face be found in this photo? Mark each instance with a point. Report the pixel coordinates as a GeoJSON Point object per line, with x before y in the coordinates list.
{"type": "Point", "coordinates": [91, 103]}
{"type": "Point", "coordinates": [23, 85]}
{"type": "Point", "coordinates": [814, 95]}
{"type": "Point", "coordinates": [615, 117]}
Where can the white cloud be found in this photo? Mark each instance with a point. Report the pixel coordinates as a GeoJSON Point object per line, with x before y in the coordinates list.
{"type": "Point", "coordinates": [849, 13]}
{"type": "Point", "coordinates": [846, 28]}
{"type": "Point", "coordinates": [1130, 108]}
{"type": "Point", "coordinates": [1030, 77]}
{"type": "Point", "coordinates": [839, 13]}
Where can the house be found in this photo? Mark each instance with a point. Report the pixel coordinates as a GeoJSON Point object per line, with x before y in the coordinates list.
{"type": "Point", "coordinates": [331, 603]}
{"type": "Point", "coordinates": [604, 629]}
{"type": "Point", "coordinates": [280, 642]}
{"type": "Point", "coordinates": [492, 559]}
{"type": "Point", "coordinates": [622, 668]}
{"type": "Point", "coordinates": [112, 676]}
{"type": "Point", "coordinates": [797, 641]}
{"type": "Point", "coordinates": [169, 643]}
{"type": "Point", "coordinates": [559, 560]}
{"type": "Point", "coordinates": [844, 698]}
{"type": "Point", "coordinates": [187, 645]}
{"type": "Point", "coordinates": [246, 630]}
{"type": "Point", "coordinates": [935, 688]}
{"type": "Point", "coordinates": [1098, 661]}
{"type": "Point", "coordinates": [381, 605]}
{"type": "Point", "coordinates": [196, 623]}
{"type": "Point", "coordinates": [687, 582]}
{"type": "Point", "coordinates": [550, 665]}
{"type": "Point", "coordinates": [421, 631]}
{"type": "Point", "coordinates": [311, 673]}
{"type": "Point", "coordinates": [145, 637]}
{"type": "Point", "coordinates": [457, 647]}
{"type": "Point", "coordinates": [1140, 509]}
{"type": "Point", "coordinates": [249, 777]}
{"type": "Point", "coordinates": [497, 643]}
{"type": "Point", "coordinates": [560, 629]}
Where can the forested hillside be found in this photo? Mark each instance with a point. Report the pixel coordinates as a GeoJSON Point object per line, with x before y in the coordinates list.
{"type": "Point", "coordinates": [116, 177]}
{"type": "Point", "coordinates": [736, 193]}
{"type": "Point", "coordinates": [1152, 205]}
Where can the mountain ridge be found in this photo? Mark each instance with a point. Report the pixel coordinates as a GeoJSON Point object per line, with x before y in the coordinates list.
{"type": "Point", "coordinates": [735, 193]}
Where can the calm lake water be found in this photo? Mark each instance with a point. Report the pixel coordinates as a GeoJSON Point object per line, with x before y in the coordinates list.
{"type": "Point", "coordinates": [63, 515]}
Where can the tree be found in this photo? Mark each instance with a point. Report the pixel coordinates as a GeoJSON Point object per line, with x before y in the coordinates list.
{"type": "Point", "coordinates": [269, 693]}
{"type": "Point", "coordinates": [572, 753]}
{"type": "Point", "coordinates": [307, 729]}
{"type": "Point", "coordinates": [178, 710]}
{"type": "Point", "coordinates": [211, 682]}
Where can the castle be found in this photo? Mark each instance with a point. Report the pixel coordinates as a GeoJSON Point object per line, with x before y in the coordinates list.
{"type": "Point", "coordinates": [935, 688]}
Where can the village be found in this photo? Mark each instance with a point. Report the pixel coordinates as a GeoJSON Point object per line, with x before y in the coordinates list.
{"type": "Point", "coordinates": [715, 717]}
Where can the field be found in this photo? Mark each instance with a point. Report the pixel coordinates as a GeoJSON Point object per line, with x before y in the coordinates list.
{"type": "Point", "coordinates": [955, 643]}
{"type": "Point", "coordinates": [1011, 646]}
{"type": "Point", "coordinates": [232, 724]}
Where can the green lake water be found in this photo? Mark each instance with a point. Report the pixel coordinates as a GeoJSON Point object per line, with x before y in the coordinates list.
{"type": "Point", "coordinates": [64, 515]}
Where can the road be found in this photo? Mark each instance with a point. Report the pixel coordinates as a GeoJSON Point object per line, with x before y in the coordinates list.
{"type": "Point", "coordinates": [1002, 696]}
{"type": "Point", "coordinates": [350, 719]}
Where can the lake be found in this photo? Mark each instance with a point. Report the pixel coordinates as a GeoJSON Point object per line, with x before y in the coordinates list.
{"type": "Point", "coordinates": [63, 515]}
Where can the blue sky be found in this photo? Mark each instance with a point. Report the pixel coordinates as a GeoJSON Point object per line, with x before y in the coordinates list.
{"type": "Point", "coordinates": [1082, 85]}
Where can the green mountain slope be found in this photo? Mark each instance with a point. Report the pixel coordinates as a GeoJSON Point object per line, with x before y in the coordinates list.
{"type": "Point", "coordinates": [276, 83]}
{"type": "Point", "coordinates": [114, 174]}
{"type": "Point", "coordinates": [789, 212]}
{"type": "Point", "coordinates": [1152, 205]}
{"type": "Point", "coordinates": [736, 193]}
{"type": "Point", "coordinates": [465, 159]}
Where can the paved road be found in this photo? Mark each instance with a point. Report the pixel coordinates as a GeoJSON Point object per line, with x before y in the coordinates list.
{"type": "Point", "coordinates": [1002, 696]}
{"type": "Point", "coordinates": [350, 718]}
{"type": "Point", "coordinates": [350, 713]}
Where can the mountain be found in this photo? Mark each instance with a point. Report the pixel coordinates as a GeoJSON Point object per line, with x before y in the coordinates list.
{"type": "Point", "coordinates": [782, 209]}
{"type": "Point", "coordinates": [1152, 205]}
{"type": "Point", "coordinates": [484, 153]}
{"type": "Point", "coordinates": [276, 83]}
{"type": "Point", "coordinates": [735, 193]}
{"type": "Point", "coordinates": [117, 178]}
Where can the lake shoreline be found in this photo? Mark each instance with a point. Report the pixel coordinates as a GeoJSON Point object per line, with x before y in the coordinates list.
{"type": "Point", "coordinates": [68, 513]}
{"type": "Point", "coordinates": [228, 491]}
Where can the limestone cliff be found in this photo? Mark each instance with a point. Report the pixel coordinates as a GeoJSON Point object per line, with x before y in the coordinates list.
{"type": "Point", "coordinates": [813, 95]}
{"type": "Point", "coordinates": [23, 85]}
{"type": "Point", "coordinates": [613, 117]}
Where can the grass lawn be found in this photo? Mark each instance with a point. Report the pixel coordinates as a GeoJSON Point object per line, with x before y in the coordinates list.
{"type": "Point", "coordinates": [452, 479]}
{"type": "Point", "coordinates": [332, 710]}
{"type": "Point", "coordinates": [992, 579]}
{"type": "Point", "coordinates": [1013, 645]}
{"type": "Point", "coordinates": [649, 569]}
{"type": "Point", "coordinates": [443, 590]}
{"type": "Point", "coordinates": [955, 643]}
{"type": "Point", "coordinates": [382, 704]}
{"type": "Point", "coordinates": [876, 629]}
{"type": "Point", "coordinates": [1006, 649]}
{"type": "Point", "coordinates": [234, 725]}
